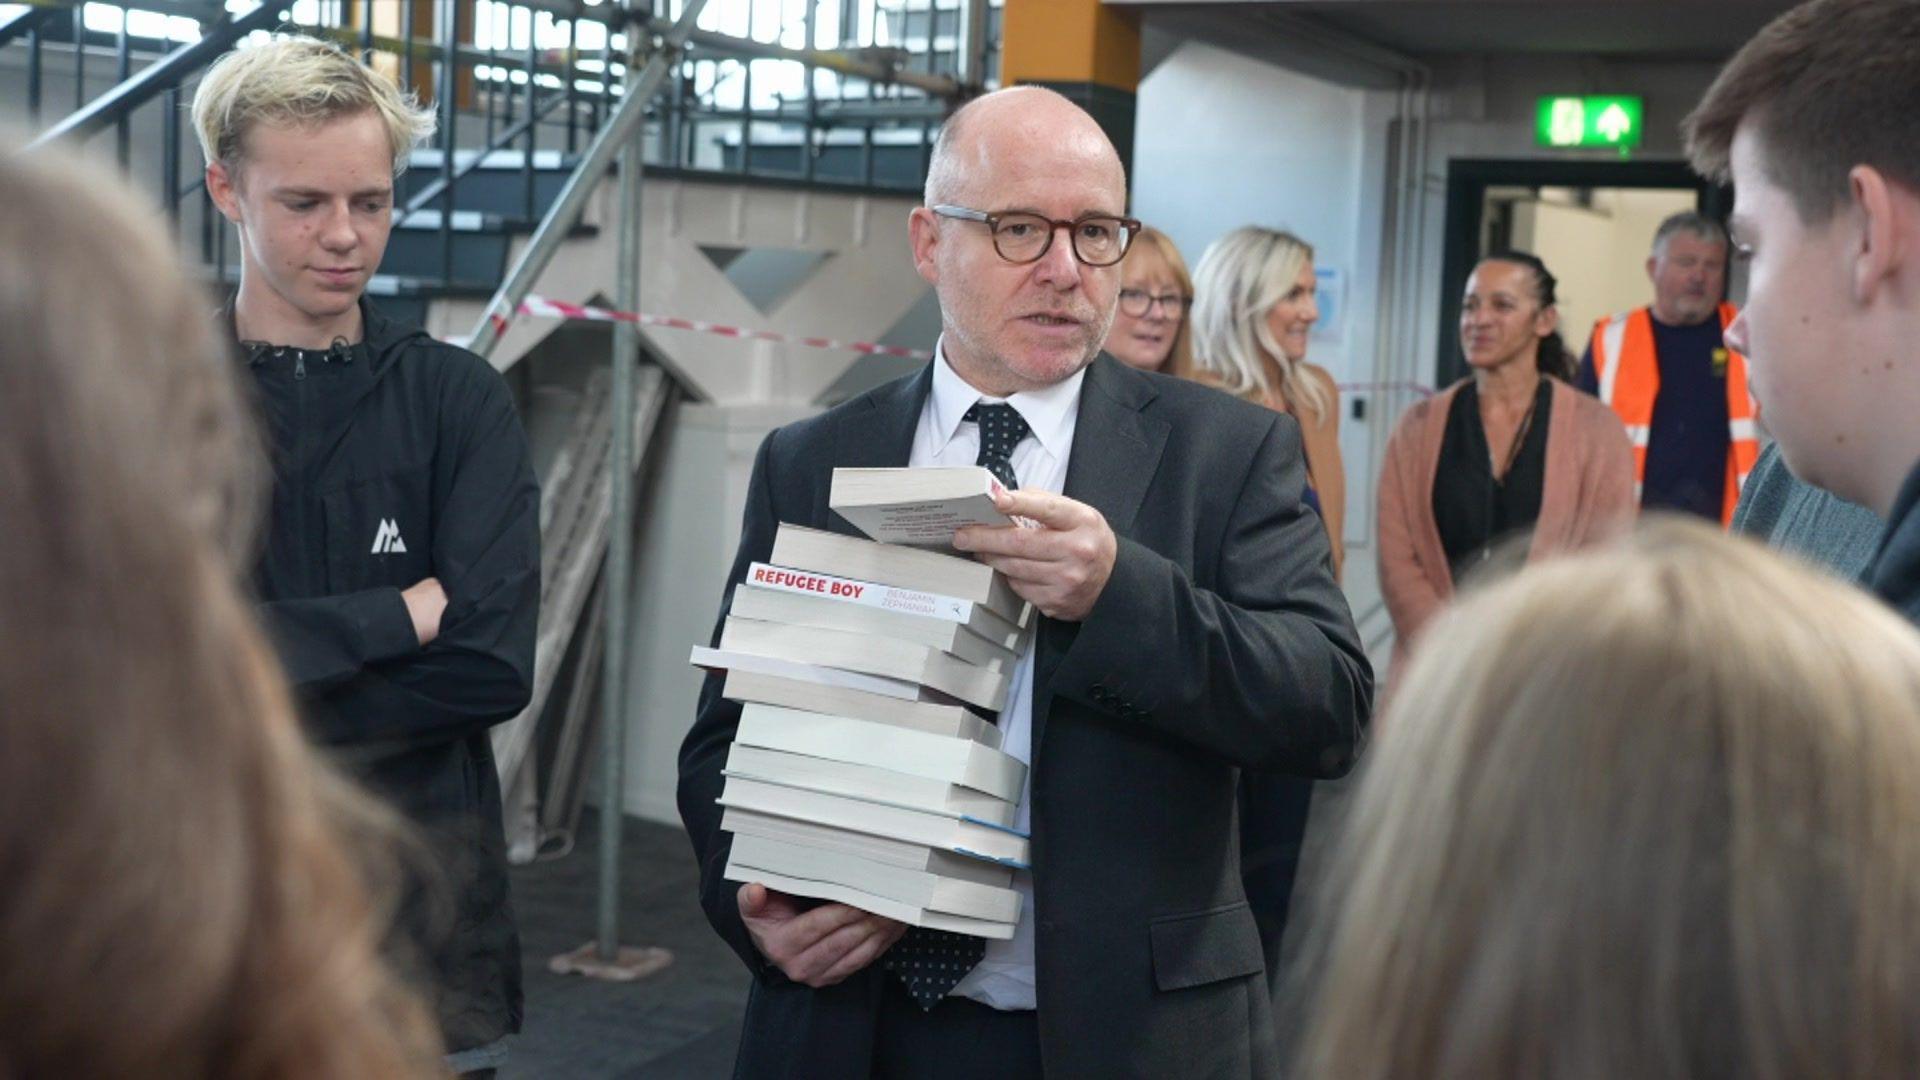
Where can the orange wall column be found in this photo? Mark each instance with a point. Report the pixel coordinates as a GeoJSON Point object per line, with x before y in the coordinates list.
{"type": "Point", "coordinates": [1082, 48]}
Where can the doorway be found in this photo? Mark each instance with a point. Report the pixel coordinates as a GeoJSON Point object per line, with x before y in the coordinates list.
{"type": "Point", "coordinates": [1591, 222]}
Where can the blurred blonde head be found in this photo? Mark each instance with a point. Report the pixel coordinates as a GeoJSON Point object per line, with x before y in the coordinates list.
{"type": "Point", "coordinates": [1241, 278]}
{"type": "Point", "coordinates": [298, 82]}
{"type": "Point", "coordinates": [180, 896]}
{"type": "Point", "coordinates": [1650, 811]}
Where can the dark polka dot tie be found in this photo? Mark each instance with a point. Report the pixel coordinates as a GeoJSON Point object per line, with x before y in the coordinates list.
{"type": "Point", "coordinates": [1001, 429]}
{"type": "Point", "coordinates": [932, 962]}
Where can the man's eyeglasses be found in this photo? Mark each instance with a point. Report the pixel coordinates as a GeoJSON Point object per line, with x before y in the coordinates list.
{"type": "Point", "coordinates": [1021, 237]}
{"type": "Point", "coordinates": [1137, 302]}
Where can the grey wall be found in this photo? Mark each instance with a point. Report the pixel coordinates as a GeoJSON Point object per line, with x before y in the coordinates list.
{"type": "Point", "coordinates": [1226, 140]}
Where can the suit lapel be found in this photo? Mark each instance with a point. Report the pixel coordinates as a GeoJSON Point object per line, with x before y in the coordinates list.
{"type": "Point", "coordinates": [1116, 451]}
{"type": "Point", "coordinates": [1115, 448]}
{"type": "Point", "coordinates": [879, 436]}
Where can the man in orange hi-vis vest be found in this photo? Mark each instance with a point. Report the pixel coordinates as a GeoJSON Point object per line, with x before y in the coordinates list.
{"type": "Point", "coordinates": [1676, 385]}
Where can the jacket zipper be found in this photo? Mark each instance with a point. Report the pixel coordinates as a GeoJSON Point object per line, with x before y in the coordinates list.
{"type": "Point", "coordinates": [313, 548]}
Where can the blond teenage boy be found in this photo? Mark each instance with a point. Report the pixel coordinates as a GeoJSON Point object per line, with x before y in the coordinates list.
{"type": "Point", "coordinates": [401, 575]}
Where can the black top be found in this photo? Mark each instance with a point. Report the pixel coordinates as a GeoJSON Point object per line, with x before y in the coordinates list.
{"type": "Point", "coordinates": [396, 459]}
{"type": "Point", "coordinates": [1894, 574]}
{"type": "Point", "coordinates": [1471, 508]}
{"type": "Point", "coordinates": [1687, 440]}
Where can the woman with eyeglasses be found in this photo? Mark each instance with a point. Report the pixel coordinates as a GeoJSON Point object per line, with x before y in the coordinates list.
{"type": "Point", "coordinates": [1150, 325]}
{"type": "Point", "coordinates": [1253, 311]}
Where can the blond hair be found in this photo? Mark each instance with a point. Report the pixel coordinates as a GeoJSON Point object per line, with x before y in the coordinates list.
{"type": "Point", "coordinates": [1180, 357]}
{"type": "Point", "coordinates": [1647, 811]}
{"type": "Point", "coordinates": [303, 82]}
{"type": "Point", "coordinates": [1240, 278]}
{"type": "Point", "coordinates": [189, 889]}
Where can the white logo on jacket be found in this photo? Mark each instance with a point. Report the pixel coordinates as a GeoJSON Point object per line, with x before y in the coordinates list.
{"type": "Point", "coordinates": [387, 540]}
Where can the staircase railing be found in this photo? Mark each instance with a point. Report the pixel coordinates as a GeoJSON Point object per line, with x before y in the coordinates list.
{"type": "Point", "coordinates": [516, 92]}
{"type": "Point", "coordinates": [511, 80]}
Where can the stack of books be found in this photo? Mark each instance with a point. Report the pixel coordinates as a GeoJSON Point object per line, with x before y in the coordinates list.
{"type": "Point", "coordinates": [858, 772]}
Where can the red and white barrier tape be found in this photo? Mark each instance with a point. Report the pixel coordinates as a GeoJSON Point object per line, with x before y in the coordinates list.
{"type": "Point", "coordinates": [544, 307]}
{"type": "Point", "coordinates": [548, 308]}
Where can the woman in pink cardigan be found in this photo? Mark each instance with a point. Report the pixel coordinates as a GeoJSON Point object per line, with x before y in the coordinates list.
{"type": "Point", "coordinates": [1500, 453]}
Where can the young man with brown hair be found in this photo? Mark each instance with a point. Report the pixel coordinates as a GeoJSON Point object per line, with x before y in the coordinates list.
{"type": "Point", "coordinates": [401, 576]}
{"type": "Point", "coordinates": [1814, 122]}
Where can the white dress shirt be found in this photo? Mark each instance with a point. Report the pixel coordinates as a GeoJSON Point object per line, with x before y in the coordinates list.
{"type": "Point", "coordinates": [1005, 977]}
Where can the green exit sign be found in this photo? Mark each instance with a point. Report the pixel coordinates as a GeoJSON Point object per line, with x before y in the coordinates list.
{"type": "Point", "coordinates": [1570, 122]}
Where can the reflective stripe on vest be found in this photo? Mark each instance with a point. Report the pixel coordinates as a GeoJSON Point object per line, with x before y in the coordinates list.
{"type": "Point", "coordinates": [1628, 373]}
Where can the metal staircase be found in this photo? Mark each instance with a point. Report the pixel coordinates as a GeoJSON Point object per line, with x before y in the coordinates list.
{"type": "Point", "coordinates": [519, 189]}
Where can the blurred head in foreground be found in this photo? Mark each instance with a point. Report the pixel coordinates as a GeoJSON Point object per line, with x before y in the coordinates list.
{"type": "Point", "coordinates": [181, 897]}
{"type": "Point", "coordinates": [1649, 811]}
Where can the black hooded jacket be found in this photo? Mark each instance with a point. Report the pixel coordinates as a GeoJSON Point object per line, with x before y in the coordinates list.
{"type": "Point", "coordinates": [1894, 574]}
{"type": "Point", "coordinates": [395, 460]}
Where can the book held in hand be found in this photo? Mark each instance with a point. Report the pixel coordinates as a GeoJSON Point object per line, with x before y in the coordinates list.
{"type": "Point", "coordinates": [868, 846]}
{"type": "Point", "coordinates": [799, 548]}
{"type": "Point", "coordinates": [866, 782]}
{"type": "Point", "coordinates": [918, 507]}
{"type": "Point", "coordinates": [917, 888]}
{"type": "Point", "coordinates": [838, 738]}
{"type": "Point", "coordinates": [902, 660]}
{"type": "Point", "coordinates": [912, 915]}
{"type": "Point", "coordinates": [934, 717]}
{"type": "Point", "coordinates": [857, 773]}
{"type": "Point", "coordinates": [978, 618]}
{"type": "Point", "coordinates": [812, 674]}
{"type": "Point", "coordinates": [949, 832]}
{"type": "Point", "coordinates": [801, 609]}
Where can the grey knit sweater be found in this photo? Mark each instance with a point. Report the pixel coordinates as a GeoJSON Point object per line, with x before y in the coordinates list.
{"type": "Point", "coordinates": [1788, 514]}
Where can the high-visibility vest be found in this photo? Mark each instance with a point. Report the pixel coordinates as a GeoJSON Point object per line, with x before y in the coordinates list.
{"type": "Point", "coordinates": [1629, 375]}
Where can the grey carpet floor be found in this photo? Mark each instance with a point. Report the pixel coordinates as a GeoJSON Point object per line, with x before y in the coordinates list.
{"type": "Point", "coordinates": [684, 1023]}
{"type": "Point", "coordinates": [680, 1024]}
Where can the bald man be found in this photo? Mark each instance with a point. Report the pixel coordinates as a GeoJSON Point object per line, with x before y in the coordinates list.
{"type": "Point", "coordinates": [1190, 627]}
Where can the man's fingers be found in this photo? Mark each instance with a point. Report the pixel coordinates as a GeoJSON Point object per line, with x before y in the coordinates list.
{"type": "Point", "coordinates": [782, 932]}
{"type": "Point", "coordinates": [860, 956]}
{"type": "Point", "coordinates": [807, 929]}
{"type": "Point", "coordinates": [1021, 572]}
{"type": "Point", "coordinates": [759, 902]}
{"type": "Point", "coordinates": [1006, 540]}
{"type": "Point", "coordinates": [1053, 511]}
{"type": "Point", "coordinates": [814, 962]}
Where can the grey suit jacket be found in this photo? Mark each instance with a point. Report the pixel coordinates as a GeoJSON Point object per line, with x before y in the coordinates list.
{"type": "Point", "coordinates": [1220, 642]}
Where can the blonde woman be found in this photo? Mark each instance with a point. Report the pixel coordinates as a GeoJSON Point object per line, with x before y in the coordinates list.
{"type": "Point", "coordinates": [1253, 312]}
{"type": "Point", "coordinates": [1150, 323]}
{"type": "Point", "coordinates": [180, 898]}
{"type": "Point", "coordinates": [1647, 811]}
